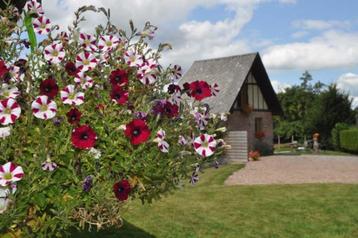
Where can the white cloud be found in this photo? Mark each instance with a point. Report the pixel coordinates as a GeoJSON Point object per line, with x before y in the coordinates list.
{"type": "Point", "coordinates": [279, 87]}
{"type": "Point", "coordinates": [288, 1]}
{"type": "Point", "coordinates": [299, 34]}
{"type": "Point", "coordinates": [330, 50]}
{"type": "Point", "coordinates": [349, 83]}
{"type": "Point", "coordinates": [310, 24]}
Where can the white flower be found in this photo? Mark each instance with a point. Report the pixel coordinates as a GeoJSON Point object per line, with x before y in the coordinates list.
{"type": "Point", "coordinates": [8, 91]}
{"type": "Point", "coordinates": [48, 165]}
{"type": "Point", "coordinates": [54, 53]}
{"type": "Point", "coordinates": [95, 153]}
{"type": "Point", "coordinates": [108, 42]}
{"type": "Point", "coordinates": [205, 145]}
{"type": "Point", "coordinates": [9, 111]}
{"type": "Point", "coordinates": [162, 144]}
{"type": "Point", "coordinates": [86, 61]}
{"type": "Point", "coordinates": [223, 116]}
{"type": "Point", "coordinates": [133, 59]}
{"type": "Point", "coordinates": [84, 80]}
{"type": "Point", "coordinates": [44, 108]}
{"type": "Point", "coordinates": [182, 140]}
{"type": "Point", "coordinates": [5, 132]}
{"type": "Point", "coordinates": [10, 173]}
{"type": "Point", "coordinates": [4, 199]}
{"type": "Point", "coordinates": [34, 7]}
{"type": "Point", "coordinates": [71, 97]}
{"type": "Point", "coordinates": [42, 25]}
{"type": "Point", "coordinates": [88, 42]}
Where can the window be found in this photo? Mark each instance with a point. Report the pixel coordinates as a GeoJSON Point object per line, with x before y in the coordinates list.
{"type": "Point", "coordinates": [258, 124]}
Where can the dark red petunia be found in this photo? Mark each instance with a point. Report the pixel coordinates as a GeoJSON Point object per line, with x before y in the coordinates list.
{"type": "Point", "coordinates": [74, 116]}
{"type": "Point", "coordinates": [173, 88]}
{"type": "Point", "coordinates": [137, 131]}
{"type": "Point", "coordinates": [3, 69]}
{"type": "Point", "coordinates": [83, 137]}
{"type": "Point", "coordinates": [49, 88]}
{"type": "Point", "coordinates": [119, 77]}
{"type": "Point", "coordinates": [199, 90]}
{"type": "Point", "coordinates": [71, 69]}
{"type": "Point", "coordinates": [119, 95]}
{"type": "Point", "coordinates": [122, 189]}
{"type": "Point", "coordinates": [165, 108]}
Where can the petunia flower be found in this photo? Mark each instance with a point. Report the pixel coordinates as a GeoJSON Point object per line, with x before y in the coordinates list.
{"type": "Point", "coordinates": [108, 42]}
{"type": "Point", "coordinates": [162, 144]}
{"type": "Point", "coordinates": [3, 69]}
{"type": "Point", "coordinates": [86, 61]}
{"type": "Point", "coordinates": [84, 80]}
{"type": "Point", "coordinates": [148, 78]}
{"type": "Point", "coordinates": [10, 173]}
{"type": "Point", "coordinates": [42, 25]}
{"type": "Point", "coordinates": [9, 111]}
{"type": "Point", "coordinates": [141, 115]}
{"type": "Point", "coordinates": [87, 184]}
{"type": "Point", "coordinates": [205, 145]}
{"type": "Point", "coordinates": [71, 97]}
{"type": "Point", "coordinates": [8, 91]}
{"type": "Point", "coordinates": [148, 72]}
{"type": "Point", "coordinates": [44, 108]}
{"type": "Point", "coordinates": [177, 72]}
{"type": "Point", "coordinates": [34, 8]}
{"type": "Point", "coordinates": [199, 90]}
{"type": "Point", "coordinates": [182, 140]}
{"type": "Point", "coordinates": [133, 59]}
{"type": "Point", "coordinates": [201, 118]}
{"type": "Point", "coordinates": [49, 88]}
{"type": "Point", "coordinates": [48, 165]}
{"type": "Point", "coordinates": [88, 42]}
{"type": "Point", "coordinates": [215, 89]}
{"type": "Point", "coordinates": [4, 199]}
{"type": "Point", "coordinates": [119, 95]}
{"type": "Point", "coordinates": [83, 137]}
{"type": "Point", "coordinates": [137, 131]}
{"type": "Point", "coordinates": [13, 74]}
{"type": "Point", "coordinates": [5, 132]}
{"type": "Point", "coordinates": [95, 153]}
{"type": "Point", "coordinates": [165, 108]}
{"type": "Point", "coordinates": [122, 189]}
{"type": "Point", "coordinates": [63, 37]}
{"type": "Point", "coordinates": [54, 53]}
{"type": "Point", "coordinates": [71, 69]}
{"type": "Point", "coordinates": [74, 116]}
{"type": "Point", "coordinates": [119, 77]}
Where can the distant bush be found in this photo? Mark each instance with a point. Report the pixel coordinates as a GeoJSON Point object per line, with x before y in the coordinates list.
{"type": "Point", "coordinates": [263, 148]}
{"type": "Point", "coordinates": [335, 134]}
{"type": "Point", "coordinates": [349, 140]}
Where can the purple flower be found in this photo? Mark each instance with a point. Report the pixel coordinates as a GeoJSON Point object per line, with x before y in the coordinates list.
{"type": "Point", "coordinates": [141, 115]}
{"type": "Point", "coordinates": [87, 184]}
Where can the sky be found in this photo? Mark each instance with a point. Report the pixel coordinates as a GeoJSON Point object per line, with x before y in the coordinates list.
{"type": "Point", "coordinates": [292, 36]}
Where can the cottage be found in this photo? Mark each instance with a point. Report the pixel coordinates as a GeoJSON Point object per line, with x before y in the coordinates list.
{"type": "Point", "coordinates": [247, 94]}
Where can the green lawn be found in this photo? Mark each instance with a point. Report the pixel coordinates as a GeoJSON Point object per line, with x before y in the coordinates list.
{"type": "Point", "coordinates": [211, 209]}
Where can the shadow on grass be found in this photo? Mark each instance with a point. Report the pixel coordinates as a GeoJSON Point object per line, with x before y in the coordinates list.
{"type": "Point", "coordinates": [128, 230]}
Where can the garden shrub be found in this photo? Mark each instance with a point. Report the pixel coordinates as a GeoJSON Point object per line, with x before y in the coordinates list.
{"type": "Point", "coordinates": [86, 123]}
{"type": "Point", "coordinates": [335, 134]}
{"type": "Point", "coordinates": [349, 140]}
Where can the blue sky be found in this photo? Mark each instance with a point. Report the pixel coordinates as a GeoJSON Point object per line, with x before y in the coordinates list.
{"type": "Point", "coordinates": [291, 35]}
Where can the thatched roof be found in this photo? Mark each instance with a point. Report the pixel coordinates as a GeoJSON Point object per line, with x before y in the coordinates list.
{"type": "Point", "coordinates": [230, 73]}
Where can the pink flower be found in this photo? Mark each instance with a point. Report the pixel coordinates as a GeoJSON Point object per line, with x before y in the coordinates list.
{"type": "Point", "coordinates": [182, 140]}
{"type": "Point", "coordinates": [44, 108]}
{"type": "Point", "coordinates": [162, 144]}
{"type": "Point", "coordinates": [108, 42]}
{"type": "Point", "coordinates": [86, 61]}
{"type": "Point", "coordinates": [10, 173]}
{"type": "Point", "coordinates": [9, 111]}
{"type": "Point", "coordinates": [42, 25]}
{"type": "Point", "coordinates": [205, 145]}
{"type": "Point", "coordinates": [177, 72]}
{"type": "Point", "coordinates": [88, 42]}
{"type": "Point", "coordinates": [34, 7]}
{"type": "Point", "coordinates": [54, 53]}
{"type": "Point", "coordinates": [84, 80]}
{"type": "Point", "coordinates": [133, 59]}
{"type": "Point", "coordinates": [48, 165]}
{"type": "Point", "coordinates": [71, 97]}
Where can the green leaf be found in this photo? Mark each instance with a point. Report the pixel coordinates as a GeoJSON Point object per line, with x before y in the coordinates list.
{"type": "Point", "coordinates": [30, 32]}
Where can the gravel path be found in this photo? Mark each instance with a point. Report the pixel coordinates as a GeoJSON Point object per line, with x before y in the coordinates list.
{"type": "Point", "coordinates": [297, 170]}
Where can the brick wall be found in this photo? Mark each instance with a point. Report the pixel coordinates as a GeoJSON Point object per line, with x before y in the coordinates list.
{"type": "Point", "coordinates": [239, 121]}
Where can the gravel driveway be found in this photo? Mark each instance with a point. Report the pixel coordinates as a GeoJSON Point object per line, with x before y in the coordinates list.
{"type": "Point", "coordinates": [297, 170]}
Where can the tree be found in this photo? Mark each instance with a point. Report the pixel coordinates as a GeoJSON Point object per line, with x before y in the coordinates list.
{"type": "Point", "coordinates": [329, 107]}
{"type": "Point", "coordinates": [306, 78]}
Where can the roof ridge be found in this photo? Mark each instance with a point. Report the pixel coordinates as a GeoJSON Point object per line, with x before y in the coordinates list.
{"type": "Point", "coordinates": [227, 57]}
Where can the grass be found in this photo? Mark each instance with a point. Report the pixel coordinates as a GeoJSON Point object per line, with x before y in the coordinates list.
{"type": "Point", "coordinates": [287, 150]}
{"type": "Point", "coordinates": [211, 209]}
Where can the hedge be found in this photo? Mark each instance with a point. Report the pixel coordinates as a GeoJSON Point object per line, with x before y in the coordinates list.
{"type": "Point", "coordinates": [349, 139]}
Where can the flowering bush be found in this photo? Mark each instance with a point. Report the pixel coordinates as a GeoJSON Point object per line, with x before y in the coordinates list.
{"type": "Point", "coordinates": [254, 155]}
{"type": "Point", "coordinates": [85, 123]}
{"type": "Point", "coordinates": [260, 135]}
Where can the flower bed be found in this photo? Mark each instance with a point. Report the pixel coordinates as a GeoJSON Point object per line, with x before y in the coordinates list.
{"type": "Point", "coordinates": [86, 123]}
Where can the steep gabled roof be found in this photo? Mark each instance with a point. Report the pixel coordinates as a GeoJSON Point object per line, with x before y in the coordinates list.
{"type": "Point", "coordinates": [230, 74]}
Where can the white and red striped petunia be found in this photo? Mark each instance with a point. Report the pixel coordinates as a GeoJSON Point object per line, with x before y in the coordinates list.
{"type": "Point", "coordinates": [9, 111]}
{"type": "Point", "coordinates": [215, 89]}
{"type": "Point", "coordinates": [161, 134]}
{"type": "Point", "coordinates": [44, 108]}
{"type": "Point", "coordinates": [177, 72]}
{"type": "Point", "coordinates": [108, 42]}
{"type": "Point", "coordinates": [8, 91]}
{"type": "Point", "coordinates": [182, 140]}
{"type": "Point", "coordinates": [14, 73]}
{"type": "Point", "coordinates": [10, 173]}
{"type": "Point", "coordinates": [54, 53]}
{"type": "Point", "coordinates": [86, 61]}
{"type": "Point", "coordinates": [42, 25]}
{"type": "Point", "coordinates": [205, 145]}
{"type": "Point", "coordinates": [70, 96]}
{"type": "Point", "coordinates": [133, 59]}
{"type": "Point", "coordinates": [48, 165]}
{"type": "Point", "coordinates": [162, 144]}
{"type": "Point", "coordinates": [84, 80]}
{"type": "Point", "coordinates": [34, 7]}
{"type": "Point", "coordinates": [88, 42]}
